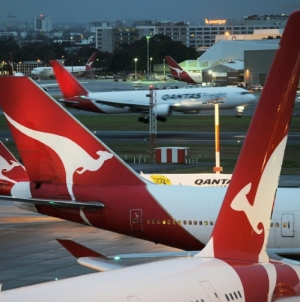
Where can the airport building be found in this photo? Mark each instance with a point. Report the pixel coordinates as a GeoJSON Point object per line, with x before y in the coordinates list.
{"type": "Point", "coordinates": [109, 36]}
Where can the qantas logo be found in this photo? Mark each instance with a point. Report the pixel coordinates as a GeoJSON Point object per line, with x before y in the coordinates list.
{"type": "Point", "coordinates": [241, 203]}
{"type": "Point", "coordinates": [6, 167]}
{"type": "Point", "coordinates": [73, 157]}
{"type": "Point", "coordinates": [177, 70]}
{"type": "Point", "coordinates": [203, 182]}
{"type": "Point", "coordinates": [208, 96]}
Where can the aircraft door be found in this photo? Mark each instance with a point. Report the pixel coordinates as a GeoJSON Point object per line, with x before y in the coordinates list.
{"type": "Point", "coordinates": [133, 299]}
{"type": "Point", "coordinates": [211, 292]}
{"type": "Point", "coordinates": [136, 222]}
{"type": "Point", "coordinates": [287, 225]}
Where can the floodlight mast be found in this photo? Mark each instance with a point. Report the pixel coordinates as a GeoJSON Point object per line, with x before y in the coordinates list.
{"type": "Point", "coordinates": [152, 122]}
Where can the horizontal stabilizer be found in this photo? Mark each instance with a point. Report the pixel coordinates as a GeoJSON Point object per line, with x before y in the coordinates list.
{"type": "Point", "coordinates": [56, 203]}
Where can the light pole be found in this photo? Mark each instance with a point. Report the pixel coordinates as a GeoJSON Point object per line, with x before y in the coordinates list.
{"type": "Point", "coordinates": [164, 67]}
{"type": "Point", "coordinates": [72, 52]}
{"type": "Point", "coordinates": [150, 65]}
{"type": "Point", "coordinates": [135, 75]}
{"type": "Point", "coordinates": [147, 37]}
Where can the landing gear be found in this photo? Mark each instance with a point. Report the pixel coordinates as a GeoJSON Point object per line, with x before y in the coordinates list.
{"type": "Point", "coordinates": [145, 119]}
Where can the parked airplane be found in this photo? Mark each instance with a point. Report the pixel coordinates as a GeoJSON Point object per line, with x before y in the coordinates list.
{"type": "Point", "coordinates": [70, 168]}
{"type": "Point", "coordinates": [234, 264]}
{"type": "Point", "coordinates": [188, 101]}
{"type": "Point", "coordinates": [48, 71]}
{"type": "Point", "coordinates": [180, 75]}
{"type": "Point", "coordinates": [11, 171]}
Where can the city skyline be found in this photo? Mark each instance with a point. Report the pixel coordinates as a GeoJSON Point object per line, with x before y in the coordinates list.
{"type": "Point", "coordinates": [174, 10]}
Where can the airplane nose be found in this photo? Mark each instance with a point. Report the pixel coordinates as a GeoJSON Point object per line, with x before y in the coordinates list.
{"type": "Point", "coordinates": [252, 98]}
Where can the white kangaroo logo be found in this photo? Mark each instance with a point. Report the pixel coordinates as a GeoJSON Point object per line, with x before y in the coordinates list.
{"type": "Point", "coordinates": [72, 155]}
{"type": "Point", "coordinates": [241, 203]}
{"type": "Point", "coordinates": [6, 167]}
{"type": "Point", "coordinates": [263, 201]}
{"type": "Point", "coordinates": [177, 70]}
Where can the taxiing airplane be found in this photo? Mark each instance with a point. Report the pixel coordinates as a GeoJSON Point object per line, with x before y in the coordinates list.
{"type": "Point", "coordinates": [187, 101]}
{"type": "Point", "coordinates": [234, 265]}
{"type": "Point", "coordinates": [184, 76]}
{"type": "Point", "coordinates": [47, 71]}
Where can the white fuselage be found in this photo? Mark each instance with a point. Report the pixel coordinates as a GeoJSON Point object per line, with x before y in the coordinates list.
{"type": "Point", "coordinates": [186, 279]}
{"type": "Point", "coordinates": [198, 213]}
{"type": "Point", "coordinates": [48, 71]}
{"type": "Point", "coordinates": [183, 100]}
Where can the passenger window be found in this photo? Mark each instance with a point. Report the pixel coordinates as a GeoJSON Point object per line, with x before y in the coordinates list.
{"type": "Point", "coordinates": [277, 225]}
{"type": "Point", "coordinates": [272, 224]}
{"type": "Point", "coordinates": [190, 222]}
{"type": "Point", "coordinates": [174, 222]}
{"type": "Point", "coordinates": [205, 222]}
{"type": "Point", "coordinates": [164, 221]}
{"type": "Point", "coordinates": [169, 222]}
{"type": "Point", "coordinates": [284, 225]}
{"type": "Point", "coordinates": [195, 222]}
{"type": "Point", "coordinates": [153, 221]}
{"type": "Point", "coordinates": [179, 222]}
{"type": "Point", "coordinates": [184, 221]}
{"type": "Point", "coordinates": [211, 223]}
{"type": "Point", "coordinates": [200, 222]}
{"type": "Point", "coordinates": [148, 221]}
{"type": "Point", "coordinates": [158, 221]}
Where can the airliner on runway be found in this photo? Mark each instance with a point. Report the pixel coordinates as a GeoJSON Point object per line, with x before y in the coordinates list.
{"type": "Point", "coordinates": [48, 71]}
{"type": "Point", "coordinates": [234, 265]}
{"type": "Point", "coordinates": [187, 101]}
{"type": "Point", "coordinates": [180, 75]}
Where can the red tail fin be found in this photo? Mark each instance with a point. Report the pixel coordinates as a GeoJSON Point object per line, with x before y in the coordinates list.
{"type": "Point", "coordinates": [242, 228]}
{"type": "Point", "coordinates": [53, 145]}
{"type": "Point", "coordinates": [91, 61]}
{"type": "Point", "coordinates": [10, 66]}
{"type": "Point", "coordinates": [11, 171]}
{"type": "Point", "coordinates": [69, 85]}
{"type": "Point", "coordinates": [176, 70]}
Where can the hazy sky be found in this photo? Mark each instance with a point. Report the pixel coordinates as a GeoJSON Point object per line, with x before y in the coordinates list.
{"type": "Point", "coordinates": [111, 10]}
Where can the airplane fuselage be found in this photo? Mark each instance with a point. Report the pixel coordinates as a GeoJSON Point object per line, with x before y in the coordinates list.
{"type": "Point", "coordinates": [190, 100]}
{"type": "Point", "coordinates": [48, 71]}
{"type": "Point", "coordinates": [165, 215]}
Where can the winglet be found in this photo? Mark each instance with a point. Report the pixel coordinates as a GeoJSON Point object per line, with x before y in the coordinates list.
{"type": "Point", "coordinates": [68, 84]}
{"type": "Point", "coordinates": [78, 250]}
{"type": "Point", "coordinates": [242, 228]}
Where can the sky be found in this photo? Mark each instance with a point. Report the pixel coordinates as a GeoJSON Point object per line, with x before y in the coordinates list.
{"type": "Point", "coordinates": [111, 10]}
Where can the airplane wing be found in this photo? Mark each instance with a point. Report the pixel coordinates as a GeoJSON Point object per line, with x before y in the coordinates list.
{"type": "Point", "coordinates": [56, 203]}
{"type": "Point", "coordinates": [100, 262]}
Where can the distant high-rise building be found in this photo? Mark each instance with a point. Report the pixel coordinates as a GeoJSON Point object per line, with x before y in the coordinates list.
{"type": "Point", "coordinates": [42, 23]}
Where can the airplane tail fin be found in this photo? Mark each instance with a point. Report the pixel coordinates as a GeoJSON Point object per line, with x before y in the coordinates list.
{"type": "Point", "coordinates": [11, 171]}
{"type": "Point", "coordinates": [91, 61]}
{"type": "Point", "coordinates": [176, 70]}
{"type": "Point", "coordinates": [242, 228]}
{"type": "Point", "coordinates": [69, 85]}
{"type": "Point", "coordinates": [54, 146]}
{"type": "Point", "coordinates": [10, 65]}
